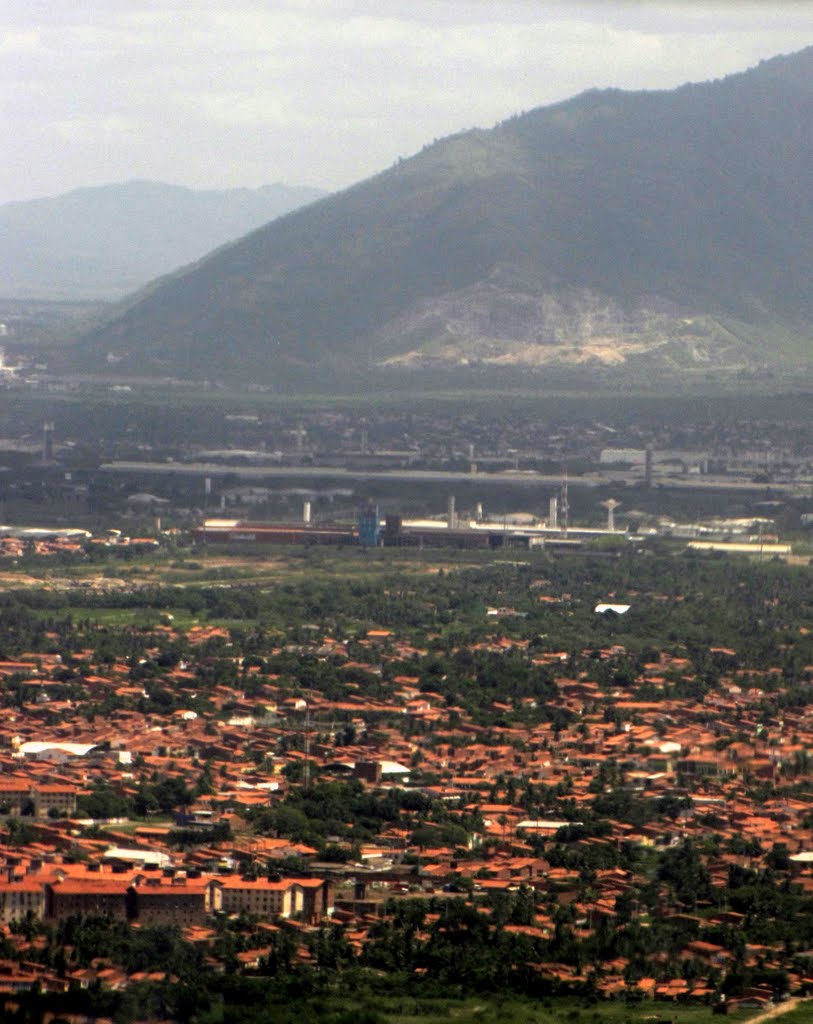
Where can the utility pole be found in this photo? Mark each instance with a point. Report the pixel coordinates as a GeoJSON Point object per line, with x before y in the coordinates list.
{"type": "Point", "coordinates": [307, 778]}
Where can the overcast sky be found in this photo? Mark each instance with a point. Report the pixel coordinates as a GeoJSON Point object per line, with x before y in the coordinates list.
{"type": "Point", "coordinates": [219, 93]}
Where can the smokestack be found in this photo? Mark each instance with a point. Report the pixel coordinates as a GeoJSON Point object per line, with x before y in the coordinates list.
{"type": "Point", "coordinates": [553, 513]}
{"type": "Point", "coordinates": [452, 515]}
{"type": "Point", "coordinates": [48, 442]}
{"type": "Point", "coordinates": [306, 513]}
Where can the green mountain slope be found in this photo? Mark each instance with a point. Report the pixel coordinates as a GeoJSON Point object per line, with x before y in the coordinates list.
{"type": "Point", "coordinates": [668, 229]}
{"type": "Point", "coordinates": [102, 243]}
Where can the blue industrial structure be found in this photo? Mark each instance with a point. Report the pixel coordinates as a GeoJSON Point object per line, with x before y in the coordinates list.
{"type": "Point", "coordinates": [369, 526]}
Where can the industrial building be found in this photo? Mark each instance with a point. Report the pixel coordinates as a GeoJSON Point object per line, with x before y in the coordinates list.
{"type": "Point", "coordinates": [235, 531]}
{"type": "Point", "coordinates": [393, 532]}
{"type": "Point", "coordinates": [521, 530]}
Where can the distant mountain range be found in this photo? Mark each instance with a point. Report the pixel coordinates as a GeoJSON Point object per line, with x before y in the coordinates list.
{"type": "Point", "coordinates": [645, 231]}
{"type": "Point", "coordinates": [102, 243]}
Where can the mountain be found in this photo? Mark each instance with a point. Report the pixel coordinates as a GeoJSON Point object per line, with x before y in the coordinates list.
{"type": "Point", "coordinates": [636, 230]}
{"type": "Point", "coordinates": [102, 243]}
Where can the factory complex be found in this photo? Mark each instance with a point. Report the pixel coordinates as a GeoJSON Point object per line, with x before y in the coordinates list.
{"type": "Point", "coordinates": [394, 532]}
{"type": "Point", "coordinates": [518, 530]}
{"type": "Point", "coordinates": [371, 530]}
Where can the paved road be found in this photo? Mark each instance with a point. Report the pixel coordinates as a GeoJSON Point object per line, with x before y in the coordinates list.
{"type": "Point", "coordinates": [778, 1011]}
{"type": "Point", "coordinates": [518, 478]}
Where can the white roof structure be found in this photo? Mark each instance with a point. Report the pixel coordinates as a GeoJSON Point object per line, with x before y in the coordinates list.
{"type": "Point", "coordinates": [387, 767]}
{"type": "Point", "coordinates": [162, 860]}
{"type": "Point", "coordinates": [542, 825]}
{"type": "Point", "coordinates": [619, 609]}
{"type": "Point", "coordinates": [34, 747]}
{"type": "Point", "coordinates": [751, 548]}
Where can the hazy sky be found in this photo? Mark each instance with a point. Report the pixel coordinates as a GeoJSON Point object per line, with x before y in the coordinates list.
{"type": "Point", "coordinates": [216, 93]}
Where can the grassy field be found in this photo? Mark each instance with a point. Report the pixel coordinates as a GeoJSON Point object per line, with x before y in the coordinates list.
{"type": "Point", "coordinates": [512, 1010]}
{"type": "Point", "coordinates": [801, 1015]}
{"type": "Point", "coordinates": [110, 581]}
{"type": "Point", "coordinates": [213, 567]}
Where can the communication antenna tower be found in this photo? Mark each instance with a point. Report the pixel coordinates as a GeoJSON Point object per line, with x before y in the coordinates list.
{"type": "Point", "coordinates": [307, 775]}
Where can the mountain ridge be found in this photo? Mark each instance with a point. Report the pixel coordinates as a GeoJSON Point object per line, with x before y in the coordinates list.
{"type": "Point", "coordinates": [667, 227]}
{"type": "Point", "coordinates": [103, 242]}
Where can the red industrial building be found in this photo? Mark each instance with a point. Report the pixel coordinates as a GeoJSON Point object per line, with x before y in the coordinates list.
{"type": "Point", "coordinates": [230, 531]}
